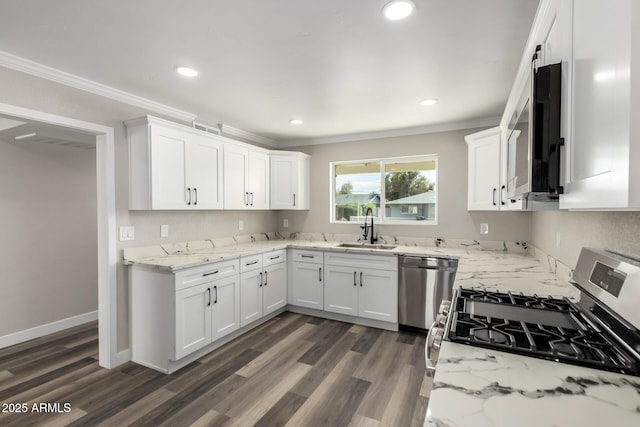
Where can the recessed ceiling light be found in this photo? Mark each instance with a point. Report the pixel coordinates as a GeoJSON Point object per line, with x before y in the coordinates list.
{"type": "Point", "coordinates": [296, 121]}
{"type": "Point", "coordinates": [398, 9]}
{"type": "Point", "coordinates": [428, 102]}
{"type": "Point", "coordinates": [26, 135]}
{"type": "Point", "coordinates": [186, 71]}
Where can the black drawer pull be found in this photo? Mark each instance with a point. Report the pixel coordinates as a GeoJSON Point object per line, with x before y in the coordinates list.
{"type": "Point", "coordinates": [274, 257]}
{"type": "Point", "coordinates": [252, 263]}
{"type": "Point", "coordinates": [210, 274]}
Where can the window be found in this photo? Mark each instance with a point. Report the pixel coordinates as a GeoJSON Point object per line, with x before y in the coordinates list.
{"type": "Point", "coordinates": [397, 190]}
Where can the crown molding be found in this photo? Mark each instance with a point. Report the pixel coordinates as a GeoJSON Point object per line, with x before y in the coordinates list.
{"type": "Point", "coordinates": [391, 133]}
{"type": "Point", "coordinates": [27, 66]}
{"type": "Point", "coordinates": [231, 131]}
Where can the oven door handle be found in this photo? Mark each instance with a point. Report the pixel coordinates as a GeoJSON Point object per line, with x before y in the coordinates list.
{"type": "Point", "coordinates": [430, 353]}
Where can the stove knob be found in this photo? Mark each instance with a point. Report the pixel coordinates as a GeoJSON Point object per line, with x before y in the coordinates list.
{"type": "Point", "coordinates": [445, 305]}
{"type": "Point", "coordinates": [437, 339]}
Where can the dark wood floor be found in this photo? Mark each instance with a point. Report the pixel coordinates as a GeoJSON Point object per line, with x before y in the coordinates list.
{"type": "Point", "coordinates": [294, 370]}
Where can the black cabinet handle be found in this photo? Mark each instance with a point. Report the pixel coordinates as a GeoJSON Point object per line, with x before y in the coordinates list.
{"type": "Point", "coordinates": [494, 197]}
{"type": "Point", "coordinates": [251, 204]}
{"type": "Point", "coordinates": [189, 191]}
{"type": "Point", "coordinates": [361, 279]}
{"type": "Point", "coordinates": [216, 289]}
{"type": "Point", "coordinates": [260, 279]}
{"type": "Point", "coordinates": [209, 296]}
{"type": "Point", "coordinates": [320, 274]}
{"type": "Point", "coordinates": [246, 198]}
{"type": "Point", "coordinates": [354, 278]}
{"type": "Point", "coordinates": [211, 273]}
{"type": "Point", "coordinates": [502, 195]}
{"type": "Point", "coordinates": [294, 199]}
{"type": "Point", "coordinates": [195, 192]}
{"type": "Point", "coordinates": [266, 278]}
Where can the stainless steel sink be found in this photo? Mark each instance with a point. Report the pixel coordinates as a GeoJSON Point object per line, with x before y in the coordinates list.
{"type": "Point", "coordinates": [366, 246]}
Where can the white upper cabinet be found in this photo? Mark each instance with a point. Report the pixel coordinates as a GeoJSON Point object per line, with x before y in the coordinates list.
{"type": "Point", "coordinates": [602, 171]}
{"type": "Point", "coordinates": [246, 177]}
{"type": "Point", "coordinates": [484, 160]}
{"type": "Point", "coordinates": [289, 180]}
{"type": "Point", "coordinates": [173, 167]}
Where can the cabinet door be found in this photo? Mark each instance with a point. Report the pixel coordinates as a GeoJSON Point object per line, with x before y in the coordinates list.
{"type": "Point", "coordinates": [302, 194]}
{"type": "Point", "coordinates": [378, 295]}
{"type": "Point", "coordinates": [307, 285]}
{"type": "Point", "coordinates": [599, 146]}
{"type": "Point", "coordinates": [258, 180]}
{"type": "Point", "coordinates": [193, 319]}
{"type": "Point", "coordinates": [283, 181]}
{"type": "Point", "coordinates": [274, 291]}
{"type": "Point", "coordinates": [250, 296]}
{"type": "Point", "coordinates": [226, 306]}
{"type": "Point", "coordinates": [484, 173]}
{"type": "Point", "coordinates": [236, 160]}
{"type": "Point", "coordinates": [168, 189]}
{"type": "Point", "coordinates": [341, 290]}
{"type": "Point", "coordinates": [204, 172]}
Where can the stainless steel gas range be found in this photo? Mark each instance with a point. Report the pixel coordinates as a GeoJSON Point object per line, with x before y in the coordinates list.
{"type": "Point", "coordinates": [600, 331]}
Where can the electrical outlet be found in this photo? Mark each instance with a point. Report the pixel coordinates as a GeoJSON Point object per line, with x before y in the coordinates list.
{"type": "Point", "coordinates": [164, 230]}
{"type": "Point", "coordinates": [285, 223]}
{"type": "Point", "coordinates": [241, 225]}
{"type": "Point", "coordinates": [484, 228]}
{"type": "Point", "coordinates": [127, 233]}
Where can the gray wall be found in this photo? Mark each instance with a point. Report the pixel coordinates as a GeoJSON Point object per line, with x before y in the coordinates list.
{"type": "Point", "coordinates": [454, 221]}
{"type": "Point", "coordinates": [31, 92]}
{"type": "Point", "coordinates": [48, 255]}
{"type": "Point", "coordinates": [616, 231]}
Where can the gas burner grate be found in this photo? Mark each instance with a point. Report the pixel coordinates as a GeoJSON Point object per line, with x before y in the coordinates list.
{"type": "Point", "coordinates": [518, 299]}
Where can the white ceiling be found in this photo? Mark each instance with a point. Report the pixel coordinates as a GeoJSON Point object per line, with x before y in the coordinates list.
{"type": "Point", "coordinates": [336, 64]}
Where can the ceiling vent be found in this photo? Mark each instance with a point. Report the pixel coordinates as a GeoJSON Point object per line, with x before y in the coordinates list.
{"type": "Point", "coordinates": [214, 130]}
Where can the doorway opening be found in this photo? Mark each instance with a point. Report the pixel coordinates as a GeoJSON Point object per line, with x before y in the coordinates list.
{"type": "Point", "coordinates": [68, 131]}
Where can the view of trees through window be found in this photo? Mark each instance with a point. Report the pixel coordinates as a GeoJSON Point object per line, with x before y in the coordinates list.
{"type": "Point", "coordinates": [394, 189]}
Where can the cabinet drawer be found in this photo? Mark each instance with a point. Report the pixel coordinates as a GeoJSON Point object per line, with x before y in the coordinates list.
{"type": "Point", "coordinates": [275, 257]}
{"type": "Point", "coordinates": [365, 261]}
{"type": "Point", "coordinates": [194, 276]}
{"type": "Point", "coordinates": [251, 262]}
{"type": "Point", "coordinates": [313, 257]}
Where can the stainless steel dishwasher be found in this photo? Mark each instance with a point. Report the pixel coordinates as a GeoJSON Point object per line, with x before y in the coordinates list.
{"type": "Point", "coordinates": [423, 283]}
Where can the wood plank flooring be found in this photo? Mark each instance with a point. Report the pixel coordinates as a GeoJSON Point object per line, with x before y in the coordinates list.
{"type": "Point", "coordinates": [294, 370]}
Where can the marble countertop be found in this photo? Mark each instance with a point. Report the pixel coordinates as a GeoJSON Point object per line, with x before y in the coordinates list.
{"type": "Point", "coordinates": [476, 387]}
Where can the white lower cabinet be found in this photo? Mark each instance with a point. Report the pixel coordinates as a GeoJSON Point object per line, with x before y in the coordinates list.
{"type": "Point", "coordinates": [174, 314]}
{"type": "Point", "coordinates": [263, 284]}
{"type": "Point", "coordinates": [193, 319]}
{"type": "Point", "coordinates": [306, 279]}
{"type": "Point", "coordinates": [362, 285]}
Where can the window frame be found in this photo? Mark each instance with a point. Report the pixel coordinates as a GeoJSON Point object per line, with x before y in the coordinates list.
{"type": "Point", "coordinates": [381, 219]}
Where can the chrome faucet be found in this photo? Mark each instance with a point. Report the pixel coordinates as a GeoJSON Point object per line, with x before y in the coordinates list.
{"type": "Point", "coordinates": [368, 228]}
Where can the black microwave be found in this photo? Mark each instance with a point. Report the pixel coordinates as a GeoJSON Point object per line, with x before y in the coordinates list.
{"type": "Point", "coordinates": [534, 139]}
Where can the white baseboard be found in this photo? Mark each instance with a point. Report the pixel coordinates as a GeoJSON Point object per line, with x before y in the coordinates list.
{"type": "Point", "coordinates": [49, 328]}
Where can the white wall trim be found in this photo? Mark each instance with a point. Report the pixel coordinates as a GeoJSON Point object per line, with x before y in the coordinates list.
{"type": "Point", "coordinates": [49, 328]}
{"type": "Point", "coordinates": [392, 133]}
{"type": "Point", "coordinates": [53, 74]}
{"type": "Point", "coordinates": [106, 220]}
{"type": "Point", "coordinates": [231, 131]}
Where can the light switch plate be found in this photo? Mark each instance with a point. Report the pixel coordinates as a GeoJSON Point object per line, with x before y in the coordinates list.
{"type": "Point", "coordinates": [127, 233]}
{"type": "Point", "coordinates": [285, 223]}
{"type": "Point", "coordinates": [164, 230]}
{"type": "Point", "coordinates": [484, 228]}
{"type": "Point", "coordinates": [241, 225]}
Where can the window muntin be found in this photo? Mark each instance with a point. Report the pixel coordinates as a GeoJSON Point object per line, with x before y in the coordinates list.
{"type": "Point", "coordinates": [398, 190]}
